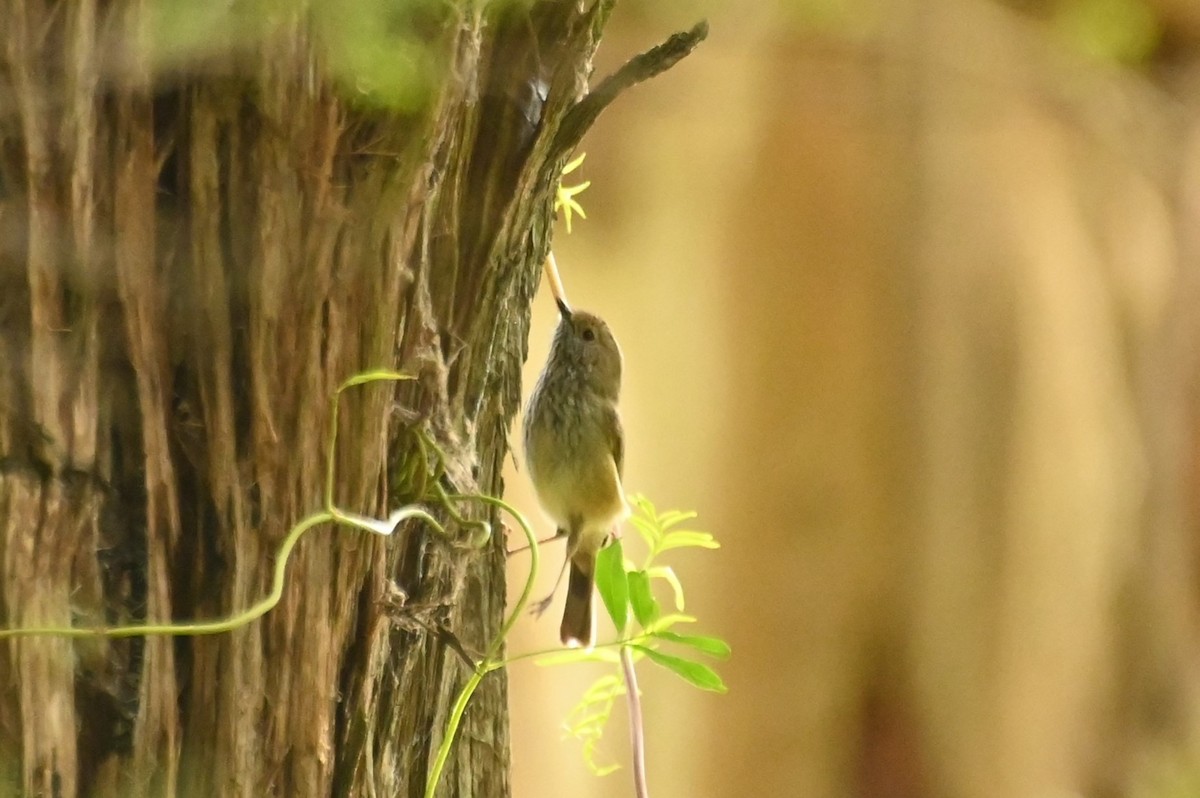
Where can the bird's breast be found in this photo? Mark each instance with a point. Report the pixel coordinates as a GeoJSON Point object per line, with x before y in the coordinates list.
{"type": "Point", "coordinates": [574, 475]}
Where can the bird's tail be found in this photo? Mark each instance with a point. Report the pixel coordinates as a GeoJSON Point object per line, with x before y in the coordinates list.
{"type": "Point", "coordinates": [576, 629]}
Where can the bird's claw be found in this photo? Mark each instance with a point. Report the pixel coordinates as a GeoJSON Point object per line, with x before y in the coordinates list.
{"type": "Point", "coordinates": [540, 606]}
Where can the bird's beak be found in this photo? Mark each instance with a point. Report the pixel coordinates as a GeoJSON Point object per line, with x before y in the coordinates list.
{"type": "Point", "coordinates": [564, 309]}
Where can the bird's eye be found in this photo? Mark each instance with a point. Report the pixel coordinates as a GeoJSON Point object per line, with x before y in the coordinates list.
{"type": "Point", "coordinates": [589, 334]}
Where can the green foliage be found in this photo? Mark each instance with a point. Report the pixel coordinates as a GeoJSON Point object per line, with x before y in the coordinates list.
{"type": "Point", "coordinates": [659, 533]}
{"type": "Point", "coordinates": [382, 53]}
{"type": "Point", "coordinates": [564, 196]}
{"type": "Point", "coordinates": [587, 720]}
{"type": "Point", "coordinates": [613, 585]}
{"type": "Point", "coordinates": [641, 598]}
{"type": "Point", "coordinates": [694, 672]}
{"type": "Point", "coordinates": [713, 646]}
{"type": "Point", "coordinates": [627, 590]}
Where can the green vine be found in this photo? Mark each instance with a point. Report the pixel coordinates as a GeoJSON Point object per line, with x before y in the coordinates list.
{"type": "Point", "coordinates": [489, 662]}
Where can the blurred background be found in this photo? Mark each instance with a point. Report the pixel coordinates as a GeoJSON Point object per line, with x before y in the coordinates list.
{"type": "Point", "coordinates": [907, 294]}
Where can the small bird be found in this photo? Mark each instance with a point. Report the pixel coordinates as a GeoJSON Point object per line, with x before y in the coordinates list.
{"type": "Point", "coordinates": [575, 453]}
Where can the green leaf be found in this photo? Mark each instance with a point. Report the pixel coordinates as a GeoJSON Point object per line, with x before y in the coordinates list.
{"type": "Point", "coordinates": [688, 539]}
{"type": "Point", "coordinates": [602, 693]}
{"type": "Point", "coordinates": [564, 195]}
{"type": "Point", "coordinates": [613, 584]}
{"type": "Point", "coordinates": [574, 164]}
{"type": "Point", "coordinates": [667, 621]}
{"type": "Point", "coordinates": [587, 720]}
{"type": "Point", "coordinates": [695, 673]}
{"type": "Point", "coordinates": [667, 573]}
{"type": "Point", "coordinates": [645, 607]}
{"type": "Point", "coordinates": [642, 504]}
{"type": "Point", "coordinates": [605, 688]}
{"type": "Point", "coordinates": [649, 532]}
{"type": "Point", "coordinates": [672, 517]}
{"type": "Point", "coordinates": [374, 375]}
{"type": "Point", "coordinates": [585, 724]}
{"type": "Point", "coordinates": [713, 646]}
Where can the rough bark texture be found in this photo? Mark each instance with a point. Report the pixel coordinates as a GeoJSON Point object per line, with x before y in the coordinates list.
{"type": "Point", "coordinates": [194, 252]}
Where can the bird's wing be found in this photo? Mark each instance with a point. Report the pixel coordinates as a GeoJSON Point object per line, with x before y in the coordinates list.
{"type": "Point", "coordinates": [616, 438]}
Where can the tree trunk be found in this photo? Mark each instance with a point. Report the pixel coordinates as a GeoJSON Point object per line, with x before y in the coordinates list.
{"type": "Point", "coordinates": [208, 220]}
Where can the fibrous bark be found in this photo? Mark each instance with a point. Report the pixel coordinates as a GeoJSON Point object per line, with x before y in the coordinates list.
{"type": "Point", "coordinates": [200, 238]}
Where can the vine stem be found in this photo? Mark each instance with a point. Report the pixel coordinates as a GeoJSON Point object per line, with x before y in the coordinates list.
{"type": "Point", "coordinates": [331, 514]}
{"type": "Point", "coordinates": [490, 662]}
{"type": "Point", "coordinates": [254, 611]}
{"type": "Point", "coordinates": [637, 731]}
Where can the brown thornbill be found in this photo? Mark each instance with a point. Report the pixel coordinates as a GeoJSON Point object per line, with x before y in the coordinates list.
{"type": "Point", "coordinates": [574, 450]}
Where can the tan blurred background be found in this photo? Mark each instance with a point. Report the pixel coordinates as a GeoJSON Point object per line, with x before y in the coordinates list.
{"type": "Point", "coordinates": [907, 297]}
